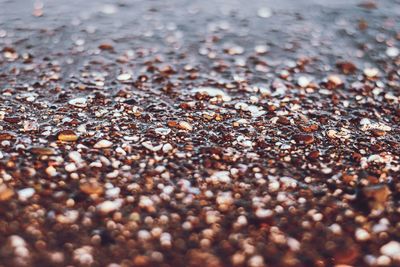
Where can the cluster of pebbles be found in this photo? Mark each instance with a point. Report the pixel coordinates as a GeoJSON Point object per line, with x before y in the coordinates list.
{"type": "Point", "coordinates": [224, 155]}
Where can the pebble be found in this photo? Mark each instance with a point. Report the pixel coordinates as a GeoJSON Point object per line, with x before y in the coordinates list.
{"type": "Point", "coordinates": [113, 192]}
{"type": "Point", "coordinates": [391, 249]}
{"type": "Point", "coordinates": [213, 92]}
{"type": "Point", "coordinates": [7, 136]}
{"type": "Point", "coordinates": [26, 193]}
{"type": "Point", "coordinates": [238, 259]}
{"type": "Point", "coordinates": [51, 171]}
{"type": "Point", "coordinates": [167, 147]}
{"type": "Point", "coordinates": [106, 46]}
{"type": "Point", "coordinates": [185, 126]}
{"type": "Point", "coordinates": [67, 136]}
{"type": "Point", "coordinates": [19, 248]}
{"type": "Point", "coordinates": [43, 151]}
{"type": "Point", "coordinates": [306, 139]}
{"type": "Point", "coordinates": [162, 131]}
{"type": "Point", "coordinates": [392, 51]}
{"type": "Point", "coordinates": [75, 156]}
{"type": "Point", "coordinates": [144, 235]}
{"type": "Point", "coordinates": [80, 102]}
{"type": "Point", "coordinates": [371, 72]}
{"type": "Point", "coordinates": [221, 176]}
{"type": "Point", "coordinates": [256, 261]}
{"type": "Point", "coordinates": [362, 235]}
{"type": "Point", "coordinates": [5, 193]}
{"type": "Point", "coordinates": [145, 202]}
{"type": "Point", "coordinates": [69, 217]}
{"type": "Point", "coordinates": [103, 144]}
{"type": "Point", "coordinates": [303, 81]}
{"type": "Point", "coordinates": [17, 241]}
{"type": "Point", "coordinates": [255, 111]}
{"type": "Point", "coordinates": [263, 213]}
{"type": "Point", "coordinates": [293, 244]}
{"type": "Point", "coordinates": [335, 80]}
{"type": "Point", "coordinates": [150, 146]}
{"type": "Point", "coordinates": [342, 134]}
{"type": "Point", "coordinates": [264, 12]}
{"type": "Point", "coordinates": [367, 124]}
{"type": "Point", "coordinates": [242, 220]}
{"type": "Point", "coordinates": [124, 77]}
{"type": "Point", "coordinates": [377, 194]}
{"type": "Point", "coordinates": [91, 188]}
{"type": "Point", "coordinates": [109, 9]}
{"type": "Point", "coordinates": [261, 49]}
{"type": "Point", "coordinates": [70, 167]}
{"type": "Point", "coordinates": [30, 126]}
{"type": "Point", "coordinates": [83, 255]}
{"type": "Point", "coordinates": [109, 206]}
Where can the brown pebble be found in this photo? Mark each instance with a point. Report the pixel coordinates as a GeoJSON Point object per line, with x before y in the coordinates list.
{"type": "Point", "coordinates": [283, 120]}
{"type": "Point", "coordinates": [377, 132]}
{"type": "Point", "coordinates": [309, 128]}
{"type": "Point", "coordinates": [348, 178]}
{"type": "Point", "coordinates": [91, 188]}
{"type": "Point", "coordinates": [378, 194]}
{"type": "Point", "coordinates": [5, 193]}
{"type": "Point", "coordinates": [313, 155]}
{"type": "Point", "coordinates": [306, 139]}
{"type": "Point", "coordinates": [12, 119]}
{"type": "Point", "coordinates": [346, 67]}
{"type": "Point", "coordinates": [67, 136]}
{"type": "Point", "coordinates": [106, 46]}
{"type": "Point", "coordinates": [197, 258]}
{"type": "Point", "coordinates": [347, 256]}
{"type": "Point", "coordinates": [43, 151]}
{"type": "Point", "coordinates": [141, 261]}
{"type": "Point", "coordinates": [7, 136]}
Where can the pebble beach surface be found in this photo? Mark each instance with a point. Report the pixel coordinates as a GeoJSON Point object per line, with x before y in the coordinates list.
{"type": "Point", "coordinates": [199, 133]}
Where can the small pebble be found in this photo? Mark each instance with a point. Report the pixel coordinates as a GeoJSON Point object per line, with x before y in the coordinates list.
{"type": "Point", "coordinates": [80, 102]}
{"type": "Point", "coordinates": [124, 77]}
{"type": "Point", "coordinates": [391, 249]}
{"type": "Point", "coordinates": [392, 51]}
{"type": "Point", "coordinates": [371, 72]}
{"type": "Point", "coordinates": [5, 193]}
{"type": "Point", "coordinates": [67, 136]}
{"type": "Point", "coordinates": [185, 126]}
{"type": "Point", "coordinates": [362, 235]}
{"type": "Point", "coordinates": [103, 144]}
{"type": "Point", "coordinates": [25, 194]}
{"type": "Point", "coordinates": [264, 12]}
{"type": "Point", "coordinates": [303, 81]}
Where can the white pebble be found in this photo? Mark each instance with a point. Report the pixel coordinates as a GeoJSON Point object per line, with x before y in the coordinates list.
{"type": "Point", "coordinates": [303, 81]}
{"type": "Point", "coordinates": [75, 156]}
{"type": "Point", "coordinates": [392, 52]}
{"type": "Point", "coordinates": [264, 213]}
{"type": "Point", "coordinates": [26, 193]}
{"type": "Point", "coordinates": [256, 261]}
{"type": "Point", "coordinates": [124, 77]}
{"type": "Point", "coordinates": [221, 176]}
{"type": "Point", "coordinates": [103, 144]}
{"type": "Point", "coordinates": [84, 255]}
{"type": "Point", "coordinates": [391, 249]}
{"type": "Point", "coordinates": [371, 72]}
{"type": "Point", "coordinates": [362, 235]}
{"type": "Point", "coordinates": [264, 12]}
{"type": "Point", "coordinates": [109, 206]}
{"type": "Point", "coordinates": [167, 147]}
{"type": "Point", "coordinates": [80, 102]}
